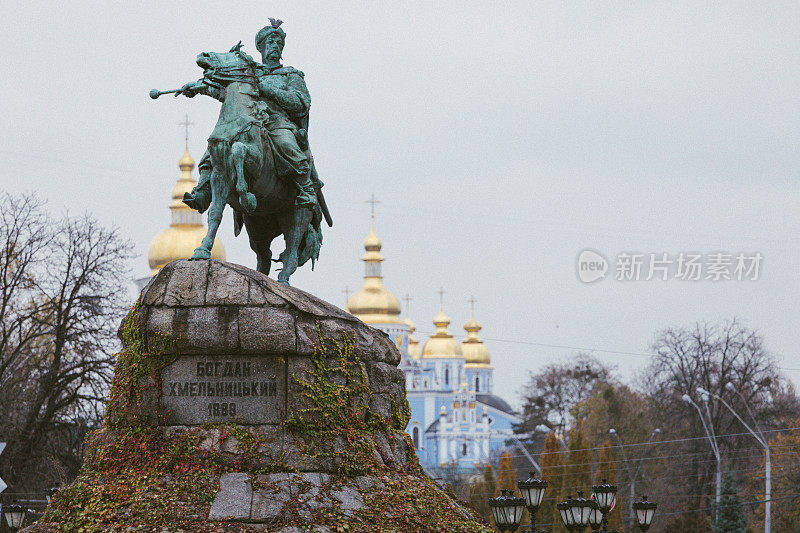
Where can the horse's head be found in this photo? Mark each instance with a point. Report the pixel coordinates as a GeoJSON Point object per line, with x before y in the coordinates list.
{"type": "Point", "coordinates": [225, 67]}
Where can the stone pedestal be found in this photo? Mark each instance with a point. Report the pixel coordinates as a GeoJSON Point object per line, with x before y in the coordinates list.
{"type": "Point", "coordinates": [239, 404]}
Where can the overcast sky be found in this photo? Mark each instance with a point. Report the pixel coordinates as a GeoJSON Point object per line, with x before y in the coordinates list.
{"type": "Point", "coordinates": [501, 138]}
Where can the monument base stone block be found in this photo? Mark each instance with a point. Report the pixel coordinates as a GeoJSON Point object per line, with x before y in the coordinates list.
{"type": "Point", "coordinates": [240, 404]}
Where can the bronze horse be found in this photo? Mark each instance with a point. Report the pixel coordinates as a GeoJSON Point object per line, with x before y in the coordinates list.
{"type": "Point", "coordinates": [244, 173]}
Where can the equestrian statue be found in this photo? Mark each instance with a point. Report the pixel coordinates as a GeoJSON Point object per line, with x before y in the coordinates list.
{"type": "Point", "coordinates": [258, 159]}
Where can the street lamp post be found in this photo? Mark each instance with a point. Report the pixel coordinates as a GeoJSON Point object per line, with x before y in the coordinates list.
{"type": "Point", "coordinates": [565, 510]}
{"type": "Point", "coordinates": [532, 490]}
{"type": "Point", "coordinates": [632, 475]}
{"type": "Point", "coordinates": [604, 495]}
{"type": "Point", "coordinates": [645, 511]}
{"type": "Point", "coordinates": [595, 518]}
{"type": "Point", "coordinates": [712, 440]}
{"type": "Point", "coordinates": [507, 511]}
{"type": "Point", "coordinates": [15, 516]}
{"type": "Point", "coordinates": [762, 440]}
{"type": "Point", "coordinates": [575, 512]}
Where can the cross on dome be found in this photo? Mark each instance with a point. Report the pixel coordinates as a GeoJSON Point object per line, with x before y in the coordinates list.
{"type": "Point", "coordinates": [186, 125]}
{"type": "Point", "coordinates": [441, 294]}
{"type": "Point", "coordinates": [407, 300]}
{"type": "Point", "coordinates": [372, 201]}
{"type": "Point", "coordinates": [346, 292]}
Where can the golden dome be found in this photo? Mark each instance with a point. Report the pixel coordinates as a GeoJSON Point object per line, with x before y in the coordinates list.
{"type": "Point", "coordinates": [186, 228]}
{"type": "Point", "coordinates": [186, 162]}
{"type": "Point", "coordinates": [441, 344]}
{"type": "Point", "coordinates": [414, 347]}
{"type": "Point", "coordinates": [374, 304]}
{"type": "Point", "coordinates": [475, 351]}
{"type": "Point", "coordinates": [372, 243]}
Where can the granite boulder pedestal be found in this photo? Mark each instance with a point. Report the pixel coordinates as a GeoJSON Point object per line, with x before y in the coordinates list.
{"type": "Point", "coordinates": [240, 404]}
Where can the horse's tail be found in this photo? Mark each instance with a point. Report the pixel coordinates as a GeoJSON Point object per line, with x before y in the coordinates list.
{"type": "Point", "coordinates": [310, 245]}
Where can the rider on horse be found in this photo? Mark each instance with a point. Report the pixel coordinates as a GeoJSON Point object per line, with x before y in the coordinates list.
{"type": "Point", "coordinates": [285, 95]}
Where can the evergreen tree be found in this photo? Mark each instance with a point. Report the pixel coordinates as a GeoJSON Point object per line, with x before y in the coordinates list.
{"type": "Point", "coordinates": [506, 474]}
{"type": "Point", "coordinates": [607, 470]}
{"type": "Point", "coordinates": [489, 481]}
{"type": "Point", "coordinates": [578, 465]}
{"type": "Point", "coordinates": [477, 497]}
{"type": "Point", "coordinates": [553, 473]}
{"type": "Point", "coordinates": [731, 514]}
{"type": "Point", "coordinates": [490, 490]}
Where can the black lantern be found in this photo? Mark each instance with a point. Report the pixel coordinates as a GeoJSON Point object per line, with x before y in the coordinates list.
{"type": "Point", "coordinates": [15, 516]}
{"type": "Point", "coordinates": [581, 507]}
{"type": "Point", "coordinates": [596, 517]}
{"type": "Point", "coordinates": [507, 511]}
{"type": "Point", "coordinates": [532, 490]}
{"type": "Point", "coordinates": [604, 494]}
{"type": "Point", "coordinates": [48, 493]}
{"type": "Point", "coordinates": [645, 511]}
{"type": "Point", "coordinates": [575, 512]}
{"type": "Point", "coordinates": [565, 510]}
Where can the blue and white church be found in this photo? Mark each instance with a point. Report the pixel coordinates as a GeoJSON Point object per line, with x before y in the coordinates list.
{"type": "Point", "coordinates": [456, 420]}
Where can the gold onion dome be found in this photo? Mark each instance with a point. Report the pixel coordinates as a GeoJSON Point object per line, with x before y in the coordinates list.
{"type": "Point", "coordinates": [441, 344]}
{"type": "Point", "coordinates": [475, 351]}
{"type": "Point", "coordinates": [414, 347]}
{"type": "Point", "coordinates": [374, 304]}
{"type": "Point", "coordinates": [186, 228]}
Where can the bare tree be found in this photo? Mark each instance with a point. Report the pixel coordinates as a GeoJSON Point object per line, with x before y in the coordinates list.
{"type": "Point", "coordinates": [550, 394]}
{"type": "Point", "coordinates": [710, 356]}
{"type": "Point", "coordinates": [62, 293]}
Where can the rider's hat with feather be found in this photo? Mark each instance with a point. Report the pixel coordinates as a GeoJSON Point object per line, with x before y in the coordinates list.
{"type": "Point", "coordinates": [274, 27]}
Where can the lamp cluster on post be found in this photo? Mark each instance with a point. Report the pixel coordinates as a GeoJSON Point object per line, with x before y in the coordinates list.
{"type": "Point", "coordinates": [507, 511]}
{"type": "Point", "coordinates": [16, 512]}
{"type": "Point", "coordinates": [14, 515]}
{"type": "Point", "coordinates": [576, 513]}
{"type": "Point", "coordinates": [532, 490]}
{"type": "Point", "coordinates": [604, 495]}
{"type": "Point", "coordinates": [645, 511]}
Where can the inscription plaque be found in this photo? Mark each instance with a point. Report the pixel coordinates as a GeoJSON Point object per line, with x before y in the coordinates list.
{"type": "Point", "coordinates": [202, 389]}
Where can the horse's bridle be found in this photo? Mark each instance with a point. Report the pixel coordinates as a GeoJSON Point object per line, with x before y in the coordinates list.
{"type": "Point", "coordinates": [232, 74]}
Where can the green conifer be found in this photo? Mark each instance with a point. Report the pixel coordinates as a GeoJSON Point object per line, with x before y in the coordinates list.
{"type": "Point", "coordinates": [731, 514]}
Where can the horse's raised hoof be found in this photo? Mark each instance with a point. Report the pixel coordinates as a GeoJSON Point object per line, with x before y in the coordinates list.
{"type": "Point", "coordinates": [248, 202]}
{"type": "Point", "coordinates": [200, 253]}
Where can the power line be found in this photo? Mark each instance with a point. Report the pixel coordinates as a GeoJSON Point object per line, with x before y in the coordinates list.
{"type": "Point", "coordinates": [650, 479]}
{"type": "Point", "coordinates": [685, 439]}
{"type": "Point", "coordinates": [747, 502]}
{"type": "Point", "coordinates": [687, 454]}
{"type": "Point", "coordinates": [648, 355]}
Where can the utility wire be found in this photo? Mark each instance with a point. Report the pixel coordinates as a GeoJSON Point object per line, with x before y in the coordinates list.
{"type": "Point", "coordinates": [576, 348]}
{"type": "Point", "coordinates": [685, 439]}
